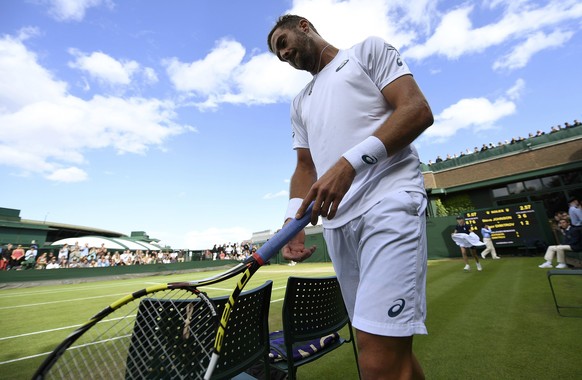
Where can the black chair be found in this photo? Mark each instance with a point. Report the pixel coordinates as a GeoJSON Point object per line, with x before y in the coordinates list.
{"type": "Point", "coordinates": [569, 306]}
{"type": "Point", "coordinates": [312, 308]}
{"type": "Point", "coordinates": [246, 341]}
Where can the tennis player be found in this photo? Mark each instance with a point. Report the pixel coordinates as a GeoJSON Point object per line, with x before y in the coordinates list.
{"type": "Point", "coordinates": [352, 128]}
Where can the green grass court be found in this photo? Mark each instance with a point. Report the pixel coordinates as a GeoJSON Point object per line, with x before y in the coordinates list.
{"type": "Point", "coordinates": [497, 324]}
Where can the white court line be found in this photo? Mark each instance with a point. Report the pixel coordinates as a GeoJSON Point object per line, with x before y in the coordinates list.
{"type": "Point", "coordinates": [53, 291]}
{"type": "Point", "coordinates": [62, 328]}
{"type": "Point", "coordinates": [71, 348]}
{"type": "Point", "coordinates": [88, 298]}
{"type": "Point", "coordinates": [80, 287]}
{"type": "Point", "coordinates": [75, 326]}
{"type": "Point", "coordinates": [61, 301]}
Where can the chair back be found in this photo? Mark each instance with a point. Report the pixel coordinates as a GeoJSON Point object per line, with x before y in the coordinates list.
{"type": "Point", "coordinates": [246, 339]}
{"type": "Point", "coordinates": [313, 307]}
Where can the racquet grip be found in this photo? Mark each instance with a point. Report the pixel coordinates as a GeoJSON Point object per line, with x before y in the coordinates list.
{"type": "Point", "coordinates": [277, 241]}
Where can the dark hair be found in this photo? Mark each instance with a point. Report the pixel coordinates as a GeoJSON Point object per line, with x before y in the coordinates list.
{"type": "Point", "coordinates": [287, 22]}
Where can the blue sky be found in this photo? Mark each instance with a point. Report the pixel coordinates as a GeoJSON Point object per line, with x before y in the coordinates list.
{"type": "Point", "coordinates": [172, 117]}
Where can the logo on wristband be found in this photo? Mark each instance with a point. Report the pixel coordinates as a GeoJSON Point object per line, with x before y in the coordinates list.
{"type": "Point", "coordinates": [370, 160]}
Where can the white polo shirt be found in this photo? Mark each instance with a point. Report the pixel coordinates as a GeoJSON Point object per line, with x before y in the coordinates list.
{"type": "Point", "coordinates": [344, 108]}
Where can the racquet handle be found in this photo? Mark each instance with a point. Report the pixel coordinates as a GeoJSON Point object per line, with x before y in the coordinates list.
{"type": "Point", "coordinates": [277, 241]}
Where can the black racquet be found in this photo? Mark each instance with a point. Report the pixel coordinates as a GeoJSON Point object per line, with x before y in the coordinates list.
{"type": "Point", "coordinates": [164, 331]}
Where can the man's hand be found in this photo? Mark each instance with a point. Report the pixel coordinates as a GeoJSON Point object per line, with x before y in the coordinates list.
{"type": "Point", "coordinates": [295, 249]}
{"type": "Point", "coordinates": [328, 191]}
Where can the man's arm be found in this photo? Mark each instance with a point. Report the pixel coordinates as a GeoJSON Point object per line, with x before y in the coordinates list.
{"type": "Point", "coordinates": [304, 176]}
{"type": "Point", "coordinates": [301, 181]}
{"type": "Point", "coordinates": [410, 117]}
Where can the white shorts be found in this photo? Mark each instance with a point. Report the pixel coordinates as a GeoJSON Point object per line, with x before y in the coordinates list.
{"type": "Point", "coordinates": [380, 259]}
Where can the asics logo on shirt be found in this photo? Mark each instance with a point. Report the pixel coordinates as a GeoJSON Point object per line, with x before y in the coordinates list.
{"type": "Point", "coordinates": [341, 65]}
{"type": "Point", "coordinates": [370, 160]}
{"type": "Point", "coordinates": [390, 47]}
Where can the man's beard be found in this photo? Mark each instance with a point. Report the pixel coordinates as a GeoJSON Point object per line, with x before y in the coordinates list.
{"type": "Point", "coordinates": [304, 58]}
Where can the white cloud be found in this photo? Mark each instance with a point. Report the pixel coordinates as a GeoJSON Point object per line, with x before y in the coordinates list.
{"type": "Point", "coordinates": [228, 74]}
{"type": "Point", "coordinates": [456, 36]}
{"type": "Point", "coordinates": [280, 194]}
{"type": "Point", "coordinates": [521, 54]}
{"type": "Point", "coordinates": [19, 72]}
{"type": "Point", "coordinates": [345, 23]}
{"type": "Point", "coordinates": [210, 75]}
{"type": "Point", "coordinates": [516, 90]}
{"type": "Point", "coordinates": [207, 238]}
{"type": "Point", "coordinates": [73, 10]}
{"type": "Point", "coordinates": [477, 113]}
{"type": "Point", "coordinates": [150, 75]}
{"type": "Point", "coordinates": [103, 67]}
{"type": "Point", "coordinates": [72, 174]}
{"type": "Point", "coordinates": [48, 131]}
{"type": "Point", "coordinates": [225, 76]}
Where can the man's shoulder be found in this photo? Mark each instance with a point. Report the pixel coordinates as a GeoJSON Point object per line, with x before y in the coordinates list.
{"type": "Point", "coordinates": [367, 45]}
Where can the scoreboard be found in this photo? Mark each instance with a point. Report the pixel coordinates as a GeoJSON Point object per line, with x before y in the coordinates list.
{"type": "Point", "coordinates": [510, 225]}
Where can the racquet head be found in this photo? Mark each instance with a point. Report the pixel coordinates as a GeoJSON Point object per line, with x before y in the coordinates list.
{"type": "Point", "coordinates": [157, 333]}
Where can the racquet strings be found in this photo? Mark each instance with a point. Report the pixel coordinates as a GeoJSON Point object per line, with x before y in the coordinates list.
{"type": "Point", "coordinates": [165, 334]}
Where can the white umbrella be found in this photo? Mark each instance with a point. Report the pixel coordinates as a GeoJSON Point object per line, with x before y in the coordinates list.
{"type": "Point", "coordinates": [109, 243]}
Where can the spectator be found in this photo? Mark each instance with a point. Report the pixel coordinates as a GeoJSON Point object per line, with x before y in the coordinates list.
{"type": "Point", "coordinates": [16, 258]}
{"type": "Point", "coordinates": [571, 241]}
{"type": "Point", "coordinates": [30, 257]}
{"type": "Point", "coordinates": [53, 264]}
{"type": "Point", "coordinates": [64, 253]}
{"type": "Point", "coordinates": [575, 212]}
{"type": "Point", "coordinates": [75, 251]}
{"type": "Point", "coordinates": [6, 254]}
{"type": "Point", "coordinates": [102, 251]}
{"type": "Point", "coordinates": [486, 232]}
{"type": "Point", "coordinates": [92, 253]}
{"type": "Point", "coordinates": [75, 263]}
{"type": "Point", "coordinates": [85, 250]}
{"type": "Point", "coordinates": [41, 262]}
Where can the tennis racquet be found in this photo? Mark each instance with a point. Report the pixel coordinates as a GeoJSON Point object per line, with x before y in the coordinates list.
{"type": "Point", "coordinates": [164, 331]}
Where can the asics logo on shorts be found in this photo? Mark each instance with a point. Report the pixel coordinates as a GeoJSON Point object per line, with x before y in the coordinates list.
{"type": "Point", "coordinates": [397, 308]}
{"type": "Point", "coordinates": [370, 160]}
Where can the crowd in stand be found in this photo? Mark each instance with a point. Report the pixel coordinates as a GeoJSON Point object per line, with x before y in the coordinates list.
{"type": "Point", "coordinates": [76, 256]}
{"type": "Point", "coordinates": [230, 251]}
{"type": "Point", "coordinates": [514, 140]}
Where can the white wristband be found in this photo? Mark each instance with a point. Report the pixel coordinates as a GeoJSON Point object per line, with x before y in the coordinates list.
{"type": "Point", "coordinates": [366, 154]}
{"type": "Point", "coordinates": [294, 204]}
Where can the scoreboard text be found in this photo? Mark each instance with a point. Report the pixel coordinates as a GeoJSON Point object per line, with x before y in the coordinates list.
{"type": "Point", "coordinates": [510, 225]}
